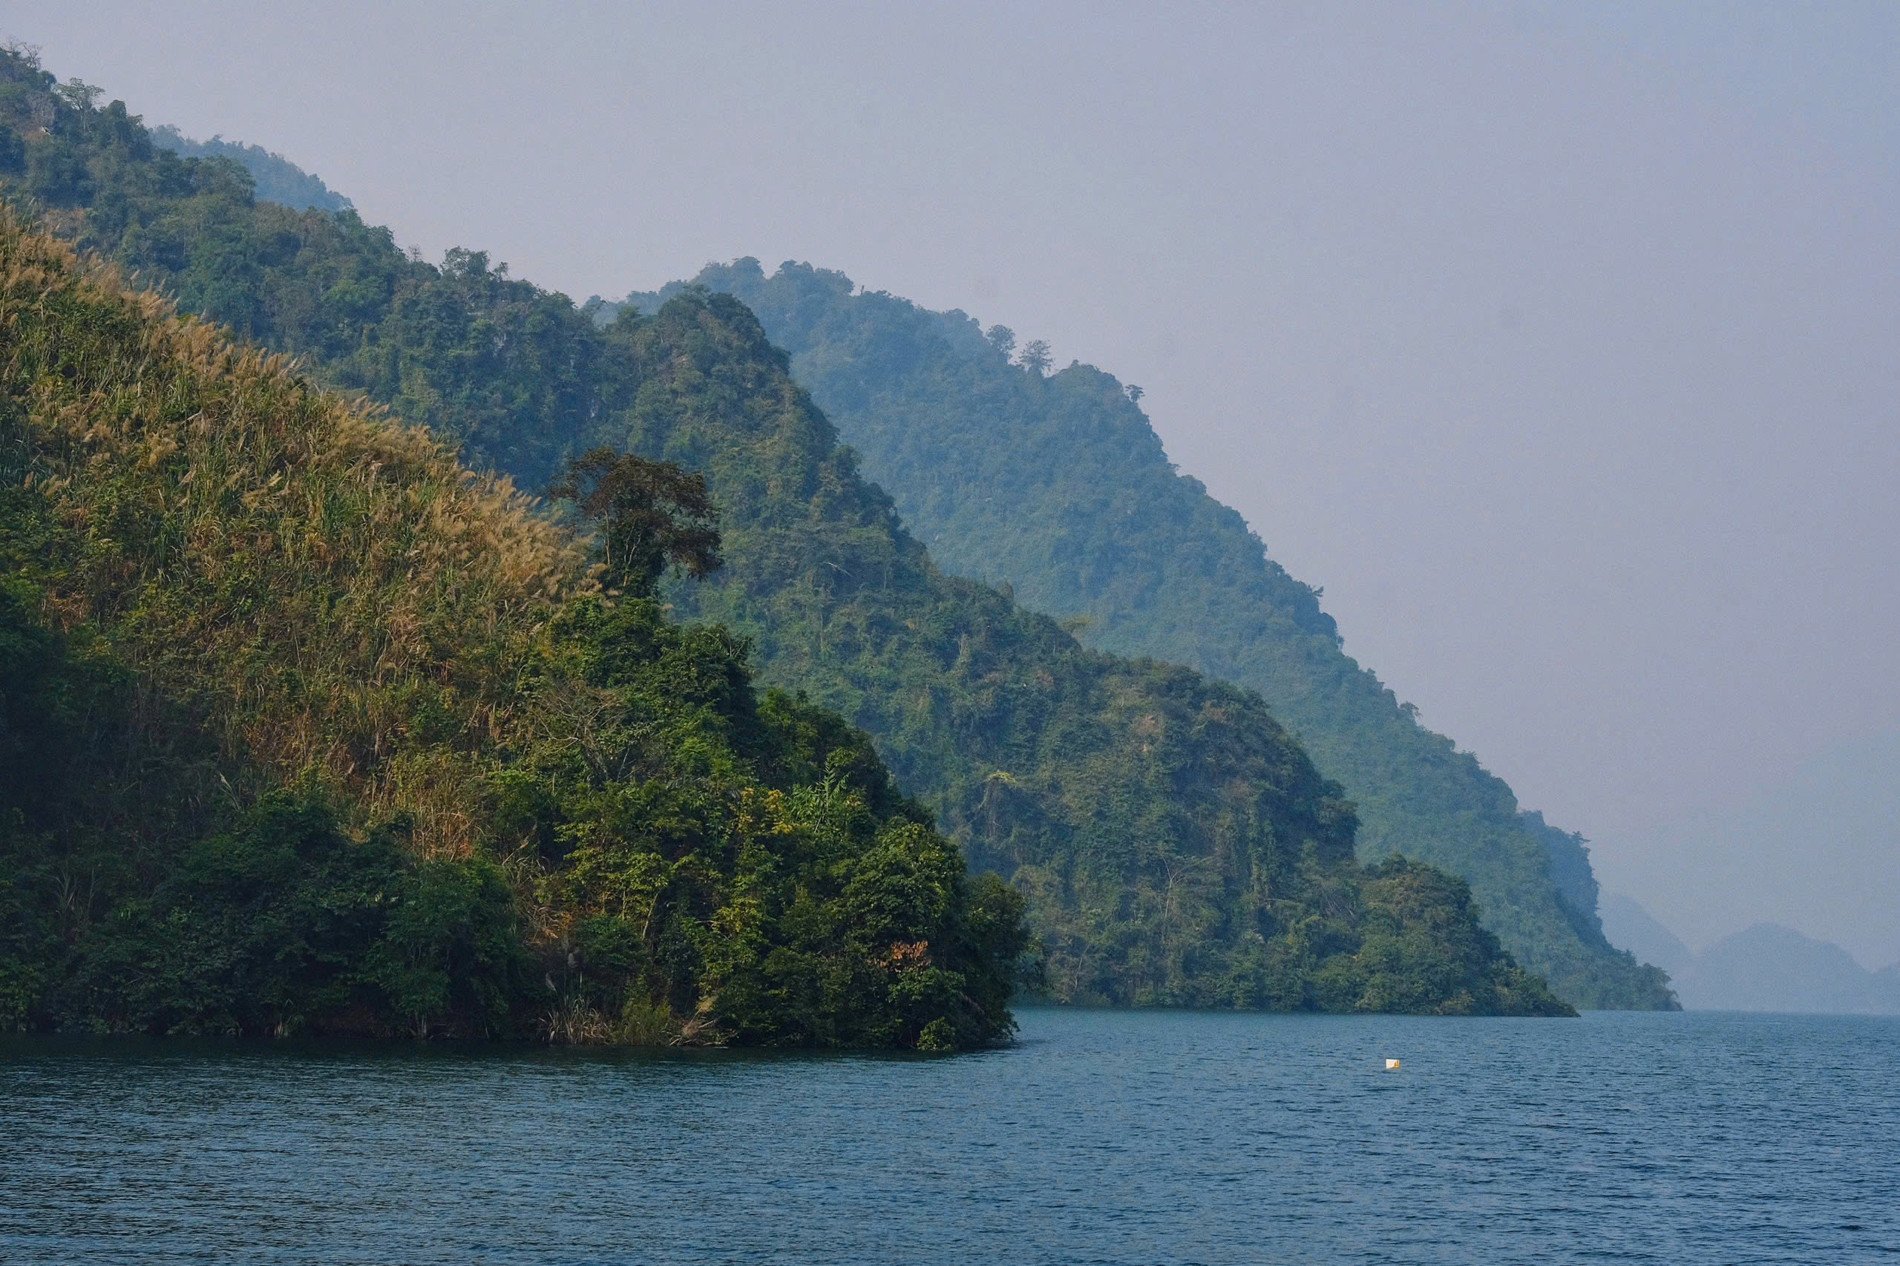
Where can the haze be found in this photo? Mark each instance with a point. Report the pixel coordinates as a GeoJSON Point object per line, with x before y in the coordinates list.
{"type": "Point", "coordinates": [1557, 343]}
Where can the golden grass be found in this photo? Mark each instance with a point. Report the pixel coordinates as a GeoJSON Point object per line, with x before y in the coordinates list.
{"type": "Point", "coordinates": [332, 589]}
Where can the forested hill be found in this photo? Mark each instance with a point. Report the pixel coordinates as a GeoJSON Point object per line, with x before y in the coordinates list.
{"type": "Point", "coordinates": [1174, 844]}
{"type": "Point", "coordinates": [274, 178]}
{"type": "Point", "coordinates": [305, 728]}
{"type": "Point", "coordinates": [1056, 484]}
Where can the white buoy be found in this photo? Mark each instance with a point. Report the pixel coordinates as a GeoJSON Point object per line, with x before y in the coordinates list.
{"type": "Point", "coordinates": [1391, 1065]}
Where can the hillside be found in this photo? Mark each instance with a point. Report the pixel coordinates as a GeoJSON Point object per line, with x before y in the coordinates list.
{"type": "Point", "coordinates": [309, 729]}
{"type": "Point", "coordinates": [1174, 843]}
{"type": "Point", "coordinates": [274, 178]}
{"type": "Point", "coordinates": [1056, 485]}
{"type": "Point", "coordinates": [1175, 846]}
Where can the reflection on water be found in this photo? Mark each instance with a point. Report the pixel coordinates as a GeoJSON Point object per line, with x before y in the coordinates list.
{"type": "Point", "coordinates": [1101, 1137]}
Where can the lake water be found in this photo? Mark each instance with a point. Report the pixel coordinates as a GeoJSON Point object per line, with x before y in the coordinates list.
{"type": "Point", "coordinates": [1101, 1137]}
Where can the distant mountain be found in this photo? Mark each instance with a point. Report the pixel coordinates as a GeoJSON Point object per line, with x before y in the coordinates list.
{"type": "Point", "coordinates": [1765, 967]}
{"type": "Point", "coordinates": [1768, 967]}
{"type": "Point", "coordinates": [1630, 926]}
{"type": "Point", "coordinates": [1817, 847]}
{"type": "Point", "coordinates": [275, 178]}
{"type": "Point", "coordinates": [1057, 485]}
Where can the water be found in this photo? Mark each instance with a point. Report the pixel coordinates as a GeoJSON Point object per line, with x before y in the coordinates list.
{"type": "Point", "coordinates": [1102, 1137]}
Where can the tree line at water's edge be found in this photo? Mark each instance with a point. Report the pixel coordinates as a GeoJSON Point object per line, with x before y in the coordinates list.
{"type": "Point", "coordinates": [1173, 844]}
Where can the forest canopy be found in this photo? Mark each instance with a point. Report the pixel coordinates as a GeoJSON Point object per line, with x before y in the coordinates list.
{"type": "Point", "coordinates": [1056, 485]}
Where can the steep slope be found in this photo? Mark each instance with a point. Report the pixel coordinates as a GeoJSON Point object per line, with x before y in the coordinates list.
{"type": "Point", "coordinates": [309, 728]}
{"type": "Point", "coordinates": [1176, 845]}
{"type": "Point", "coordinates": [1056, 485]}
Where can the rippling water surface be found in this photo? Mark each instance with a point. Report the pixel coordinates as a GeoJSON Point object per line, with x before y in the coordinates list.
{"type": "Point", "coordinates": [1107, 1137]}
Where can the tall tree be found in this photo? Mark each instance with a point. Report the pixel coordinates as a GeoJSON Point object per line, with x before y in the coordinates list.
{"type": "Point", "coordinates": [653, 516]}
{"type": "Point", "coordinates": [1035, 356]}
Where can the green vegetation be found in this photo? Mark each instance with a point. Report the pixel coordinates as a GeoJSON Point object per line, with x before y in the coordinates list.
{"type": "Point", "coordinates": [1175, 846]}
{"type": "Point", "coordinates": [1057, 486]}
{"type": "Point", "coordinates": [310, 729]}
{"type": "Point", "coordinates": [274, 177]}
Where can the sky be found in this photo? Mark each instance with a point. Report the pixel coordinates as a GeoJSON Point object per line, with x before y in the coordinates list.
{"type": "Point", "coordinates": [1558, 343]}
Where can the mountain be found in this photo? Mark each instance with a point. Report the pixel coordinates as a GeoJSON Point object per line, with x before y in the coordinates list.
{"type": "Point", "coordinates": [1174, 844]}
{"type": "Point", "coordinates": [1765, 967]}
{"type": "Point", "coordinates": [1629, 925]}
{"type": "Point", "coordinates": [1056, 485]}
{"type": "Point", "coordinates": [311, 728]}
{"type": "Point", "coordinates": [274, 178]}
{"type": "Point", "coordinates": [1768, 967]}
{"type": "Point", "coordinates": [1816, 846]}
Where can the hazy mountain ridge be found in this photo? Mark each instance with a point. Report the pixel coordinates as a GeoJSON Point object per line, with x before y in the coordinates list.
{"type": "Point", "coordinates": [1629, 924]}
{"type": "Point", "coordinates": [1816, 847]}
{"type": "Point", "coordinates": [1090, 777]}
{"type": "Point", "coordinates": [1763, 967]}
{"type": "Point", "coordinates": [1058, 486]}
{"type": "Point", "coordinates": [274, 177]}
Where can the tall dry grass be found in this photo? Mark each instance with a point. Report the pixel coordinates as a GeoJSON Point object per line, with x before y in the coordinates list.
{"type": "Point", "coordinates": [331, 589]}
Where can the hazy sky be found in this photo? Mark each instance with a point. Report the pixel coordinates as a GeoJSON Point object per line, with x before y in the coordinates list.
{"type": "Point", "coordinates": [1559, 343]}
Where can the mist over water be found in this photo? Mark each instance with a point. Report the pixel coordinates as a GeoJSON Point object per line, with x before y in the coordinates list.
{"type": "Point", "coordinates": [1132, 1137]}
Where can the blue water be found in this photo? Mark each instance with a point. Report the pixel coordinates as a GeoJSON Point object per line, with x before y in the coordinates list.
{"type": "Point", "coordinates": [1102, 1137]}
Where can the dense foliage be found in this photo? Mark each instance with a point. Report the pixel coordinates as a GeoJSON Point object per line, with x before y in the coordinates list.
{"type": "Point", "coordinates": [308, 728]}
{"type": "Point", "coordinates": [1175, 845]}
{"type": "Point", "coordinates": [1055, 484]}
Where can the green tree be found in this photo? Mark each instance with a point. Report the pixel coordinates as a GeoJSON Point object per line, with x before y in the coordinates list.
{"type": "Point", "coordinates": [653, 517]}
